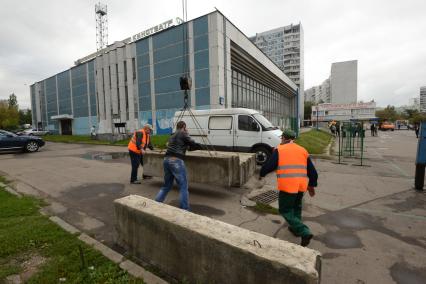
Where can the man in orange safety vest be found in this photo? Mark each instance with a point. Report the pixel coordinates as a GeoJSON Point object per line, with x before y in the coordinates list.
{"type": "Point", "coordinates": [141, 140]}
{"type": "Point", "coordinates": [296, 174]}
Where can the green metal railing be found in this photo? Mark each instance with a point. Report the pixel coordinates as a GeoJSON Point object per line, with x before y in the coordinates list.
{"type": "Point", "coordinates": [351, 142]}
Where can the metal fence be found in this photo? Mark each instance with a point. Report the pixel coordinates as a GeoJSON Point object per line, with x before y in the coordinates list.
{"type": "Point", "coordinates": [350, 138]}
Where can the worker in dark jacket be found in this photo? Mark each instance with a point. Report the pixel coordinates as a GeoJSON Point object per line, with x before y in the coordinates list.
{"type": "Point", "coordinates": [296, 174]}
{"type": "Point", "coordinates": [141, 140]}
{"type": "Point", "coordinates": [174, 166]}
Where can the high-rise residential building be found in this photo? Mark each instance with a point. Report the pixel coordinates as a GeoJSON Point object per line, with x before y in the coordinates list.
{"type": "Point", "coordinates": [320, 93]}
{"type": "Point", "coordinates": [340, 88]}
{"type": "Point", "coordinates": [414, 103]}
{"type": "Point", "coordinates": [344, 82]}
{"type": "Point", "coordinates": [284, 46]}
{"type": "Point", "coordinates": [423, 99]}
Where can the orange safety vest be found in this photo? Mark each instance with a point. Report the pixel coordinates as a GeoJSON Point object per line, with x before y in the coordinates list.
{"type": "Point", "coordinates": [132, 144]}
{"type": "Point", "coordinates": [292, 168]}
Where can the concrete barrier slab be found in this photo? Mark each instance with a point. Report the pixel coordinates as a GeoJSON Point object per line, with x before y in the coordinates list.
{"type": "Point", "coordinates": [199, 249]}
{"type": "Point", "coordinates": [216, 168]}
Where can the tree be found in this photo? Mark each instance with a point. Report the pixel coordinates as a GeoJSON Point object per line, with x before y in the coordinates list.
{"type": "Point", "coordinates": [417, 118]}
{"type": "Point", "coordinates": [387, 114]}
{"type": "Point", "coordinates": [308, 109]}
{"type": "Point", "coordinates": [25, 117]}
{"type": "Point", "coordinates": [13, 101]}
{"type": "Point", "coordinates": [9, 116]}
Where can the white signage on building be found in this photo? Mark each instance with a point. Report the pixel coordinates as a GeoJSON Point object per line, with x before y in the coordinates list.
{"type": "Point", "coordinates": [138, 36]}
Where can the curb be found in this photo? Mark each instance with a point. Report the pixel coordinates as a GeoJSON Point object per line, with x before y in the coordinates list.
{"type": "Point", "coordinates": [10, 190]}
{"type": "Point", "coordinates": [129, 266]}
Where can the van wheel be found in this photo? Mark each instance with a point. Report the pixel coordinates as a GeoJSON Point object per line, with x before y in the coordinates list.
{"type": "Point", "coordinates": [262, 154]}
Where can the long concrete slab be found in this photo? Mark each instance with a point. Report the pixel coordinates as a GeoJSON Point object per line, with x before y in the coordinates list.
{"type": "Point", "coordinates": [225, 169]}
{"type": "Point", "coordinates": [199, 249]}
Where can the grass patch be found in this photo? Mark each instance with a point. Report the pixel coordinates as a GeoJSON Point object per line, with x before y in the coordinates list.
{"type": "Point", "coordinates": [24, 232]}
{"type": "Point", "coordinates": [158, 141]}
{"type": "Point", "coordinates": [265, 209]}
{"type": "Point", "coordinates": [314, 141]}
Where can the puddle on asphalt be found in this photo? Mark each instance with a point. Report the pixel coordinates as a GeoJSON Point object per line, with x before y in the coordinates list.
{"type": "Point", "coordinates": [410, 203]}
{"type": "Point", "coordinates": [402, 273]}
{"type": "Point", "coordinates": [106, 156]}
{"type": "Point", "coordinates": [349, 222]}
{"type": "Point", "coordinates": [340, 240]}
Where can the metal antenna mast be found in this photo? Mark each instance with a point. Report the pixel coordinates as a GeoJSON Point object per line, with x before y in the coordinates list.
{"type": "Point", "coordinates": [101, 26]}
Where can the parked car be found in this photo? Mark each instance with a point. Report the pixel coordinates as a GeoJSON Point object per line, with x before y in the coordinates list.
{"type": "Point", "coordinates": [32, 132]}
{"type": "Point", "coordinates": [12, 142]}
{"type": "Point", "coordinates": [387, 126]}
{"type": "Point", "coordinates": [233, 129]}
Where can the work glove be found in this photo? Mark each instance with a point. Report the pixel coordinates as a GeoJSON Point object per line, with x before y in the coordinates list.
{"type": "Point", "coordinates": [311, 191]}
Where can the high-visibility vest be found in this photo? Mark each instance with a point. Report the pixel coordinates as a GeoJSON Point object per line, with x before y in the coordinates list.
{"type": "Point", "coordinates": [292, 168]}
{"type": "Point", "coordinates": [132, 143]}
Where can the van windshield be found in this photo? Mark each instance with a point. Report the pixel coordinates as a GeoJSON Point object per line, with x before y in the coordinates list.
{"type": "Point", "coordinates": [266, 125]}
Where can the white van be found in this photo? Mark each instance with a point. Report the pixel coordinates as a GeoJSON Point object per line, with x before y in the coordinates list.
{"type": "Point", "coordinates": [233, 129]}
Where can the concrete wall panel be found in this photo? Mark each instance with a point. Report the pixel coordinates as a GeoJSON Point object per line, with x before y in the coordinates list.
{"type": "Point", "coordinates": [203, 250]}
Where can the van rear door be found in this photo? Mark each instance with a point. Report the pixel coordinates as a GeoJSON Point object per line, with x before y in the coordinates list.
{"type": "Point", "coordinates": [247, 133]}
{"type": "Point", "coordinates": [220, 132]}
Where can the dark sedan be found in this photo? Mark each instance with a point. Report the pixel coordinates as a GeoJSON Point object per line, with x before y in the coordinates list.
{"type": "Point", "coordinates": [12, 142]}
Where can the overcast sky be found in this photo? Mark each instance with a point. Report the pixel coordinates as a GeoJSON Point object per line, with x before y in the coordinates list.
{"type": "Point", "coordinates": [388, 37]}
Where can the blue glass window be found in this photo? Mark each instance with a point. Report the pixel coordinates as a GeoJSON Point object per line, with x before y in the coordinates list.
{"type": "Point", "coordinates": [201, 26]}
{"type": "Point", "coordinates": [202, 78]}
{"type": "Point", "coordinates": [201, 43]}
{"type": "Point", "coordinates": [201, 59]}
{"type": "Point", "coordinates": [202, 96]}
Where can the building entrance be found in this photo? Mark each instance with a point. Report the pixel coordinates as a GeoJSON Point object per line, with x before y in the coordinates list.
{"type": "Point", "coordinates": [66, 127]}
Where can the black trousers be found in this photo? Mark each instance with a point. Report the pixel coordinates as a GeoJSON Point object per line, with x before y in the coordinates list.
{"type": "Point", "coordinates": [136, 160]}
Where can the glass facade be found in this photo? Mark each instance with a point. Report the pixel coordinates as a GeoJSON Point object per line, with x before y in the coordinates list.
{"type": "Point", "coordinates": [249, 93]}
{"type": "Point", "coordinates": [170, 58]}
{"type": "Point", "coordinates": [201, 63]}
{"type": "Point", "coordinates": [51, 103]}
{"type": "Point", "coordinates": [64, 93]}
{"type": "Point", "coordinates": [79, 91]}
{"type": "Point", "coordinates": [33, 104]}
{"type": "Point", "coordinates": [92, 92]}
{"type": "Point", "coordinates": [42, 95]}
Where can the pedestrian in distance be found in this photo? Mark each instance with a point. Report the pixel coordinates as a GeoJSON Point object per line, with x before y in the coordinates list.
{"type": "Point", "coordinates": [416, 129]}
{"type": "Point", "coordinates": [141, 140]}
{"type": "Point", "coordinates": [296, 174]}
{"type": "Point", "coordinates": [372, 129]}
{"type": "Point", "coordinates": [93, 132]}
{"type": "Point", "coordinates": [174, 165]}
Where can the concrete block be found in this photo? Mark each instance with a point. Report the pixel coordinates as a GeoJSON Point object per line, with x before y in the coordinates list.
{"type": "Point", "coordinates": [224, 169]}
{"type": "Point", "coordinates": [64, 225]}
{"type": "Point", "coordinates": [106, 251]}
{"type": "Point", "coordinates": [202, 250]}
{"type": "Point", "coordinates": [139, 272]}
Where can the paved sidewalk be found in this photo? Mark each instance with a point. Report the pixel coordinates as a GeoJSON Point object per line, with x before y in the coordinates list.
{"type": "Point", "coordinates": [368, 221]}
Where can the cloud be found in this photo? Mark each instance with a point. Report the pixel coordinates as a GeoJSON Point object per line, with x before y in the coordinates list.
{"type": "Point", "coordinates": [387, 37]}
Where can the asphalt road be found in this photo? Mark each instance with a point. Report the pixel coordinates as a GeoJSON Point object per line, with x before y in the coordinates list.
{"type": "Point", "coordinates": [368, 222]}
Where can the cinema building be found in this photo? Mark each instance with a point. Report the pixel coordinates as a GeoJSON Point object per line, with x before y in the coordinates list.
{"type": "Point", "coordinates": [136, 81]}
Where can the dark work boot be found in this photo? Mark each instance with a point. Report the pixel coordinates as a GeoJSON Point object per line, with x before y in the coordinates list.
{"type": "Point", "coordinates": [306, 240]}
